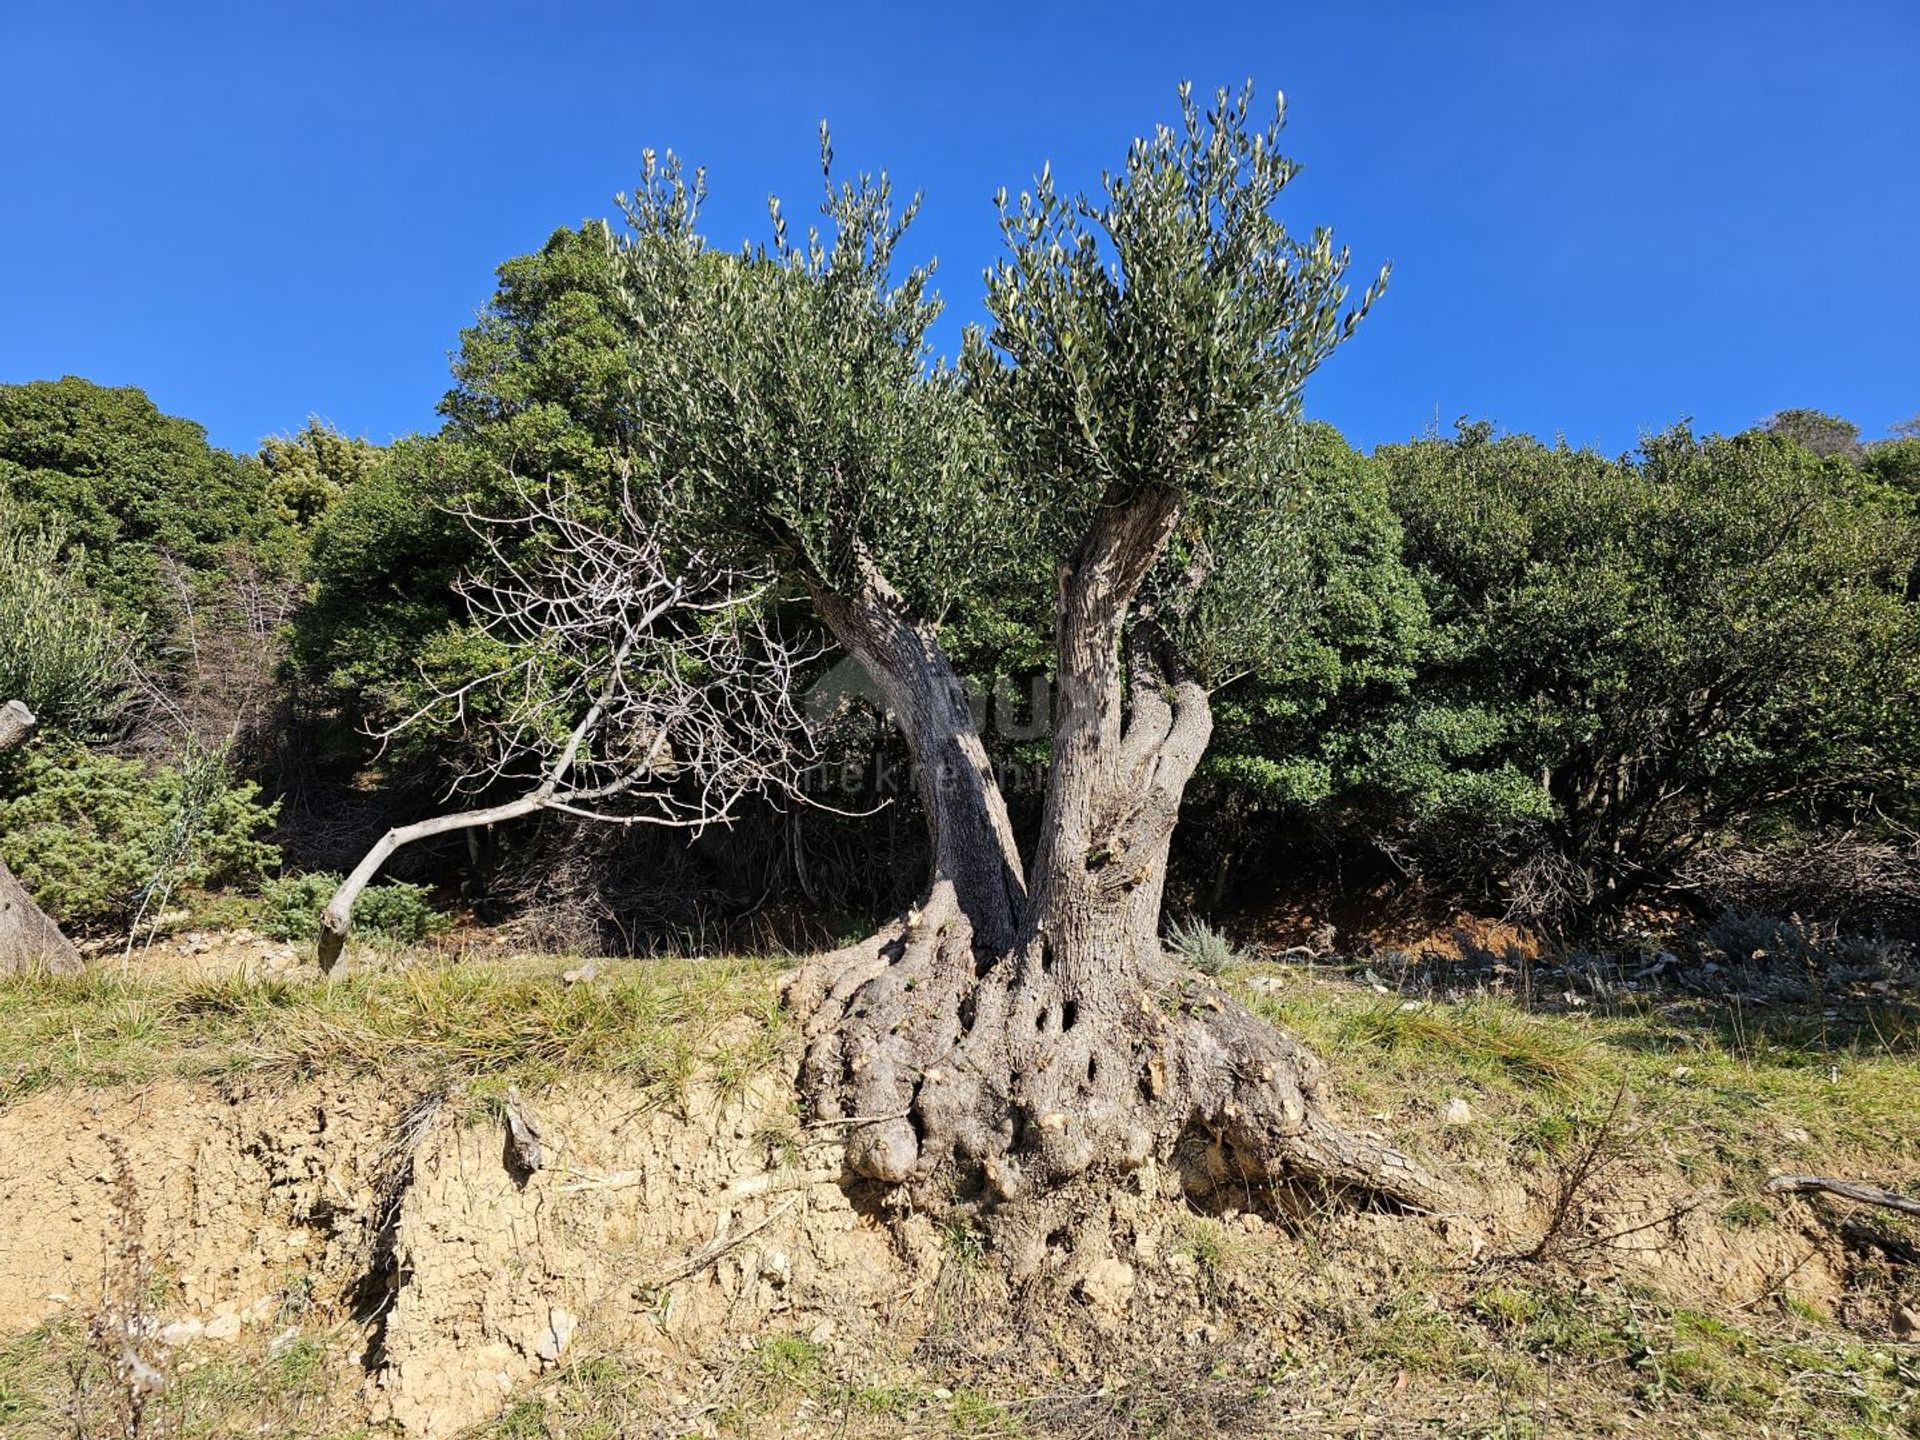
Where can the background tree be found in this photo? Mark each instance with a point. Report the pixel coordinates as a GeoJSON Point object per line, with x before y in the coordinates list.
{"type": "Point", "coordinates": [132, 490]}
{"type": "Point", "coordinates": [1662, 653]}
{"type": "Point", "coordinates": [309, 470]}
{"type": "Point", "coordinates": [539, 385]}
{"type": "Point", "coordinates": [1816, 430]}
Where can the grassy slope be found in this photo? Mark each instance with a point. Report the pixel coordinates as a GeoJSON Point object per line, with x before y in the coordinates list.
{"type": "Point", "coordinates": [1721, 1097]}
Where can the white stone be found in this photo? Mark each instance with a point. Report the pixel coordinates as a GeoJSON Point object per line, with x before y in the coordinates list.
{"type": "Point", "coordinates": [181, 1331]}
{"type": "Point", "coordinates": [1456, 1112]}
{"type": "Point", "coordinates": [223, 1327]}
{"type": "Point", "coordinates": [555, 1338]}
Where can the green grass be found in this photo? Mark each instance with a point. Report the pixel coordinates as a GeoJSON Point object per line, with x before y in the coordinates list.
{"type": "Point", "coordinates": [651, 1022]}
{"type": "Point", "coordinates": [54, 1383]}
{"type": "Point", "coordinates": [1737, 1094]}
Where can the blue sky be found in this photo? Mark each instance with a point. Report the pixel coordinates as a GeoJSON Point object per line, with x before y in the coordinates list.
{"type": "Point", "coordinates": [1603, 217]}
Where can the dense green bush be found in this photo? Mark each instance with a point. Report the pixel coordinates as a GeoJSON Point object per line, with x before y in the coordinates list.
{"type": "Point", "coordinates": [290, 908]}
{"type": "Point", "coordinates": [1711, 637]}
{"type": "Point", "coordinates": [1285, 735]}
{"type": "Point", "coordinates": [93, 836]}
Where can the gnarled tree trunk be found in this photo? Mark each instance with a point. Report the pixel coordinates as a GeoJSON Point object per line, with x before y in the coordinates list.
{"type": "Point", "coordinates": [28, 939]}
{"type": "Point", "coordinates": [1013, 1034]}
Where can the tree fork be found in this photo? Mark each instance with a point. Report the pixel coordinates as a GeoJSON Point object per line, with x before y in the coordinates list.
{"type": "Point", "coordinates": [965, 1068]}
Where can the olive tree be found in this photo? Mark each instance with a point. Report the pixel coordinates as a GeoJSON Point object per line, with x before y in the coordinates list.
{"type": "Point", "coordinates": [1114, 448]}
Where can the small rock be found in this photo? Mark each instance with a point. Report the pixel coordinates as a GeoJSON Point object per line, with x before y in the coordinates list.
{"type": "Point", "coordinates": [776, 1266]}
{"type": "Point", "coordinates": [222, 1327]}
{"type": "Point", "coordinates": [821, 1333]}
{"type": "Point", "coordinates": [1456, 1112]}
{"type": "Point", "coordinates": [181, 1331]}
{"type": "Point", "coordinates": [1108, 1285]}
{"type": "Point", "coordinates": [582, 974]}
{"type": "Point", "coordinates": [1906, 1323]}
{"type": "Point", "coordinates": [555, 1338]}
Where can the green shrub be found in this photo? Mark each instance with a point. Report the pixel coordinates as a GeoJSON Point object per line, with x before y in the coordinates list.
{"type": "Point", "coordinates": [60, 651]}
{"type": "Point", "coordinates": [93, 836]}
{"type": "Point", "coordinates": [291, 906]}
{"type": "Point", "coordinates": [1201, 946]}
{"type": "Point", "coordinates": [1698, 640]}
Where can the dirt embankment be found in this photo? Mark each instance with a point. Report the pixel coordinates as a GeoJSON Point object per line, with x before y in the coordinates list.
{"type": "Point", "coordinates": [671, 1234]}
{"type": "Point", "coordinates": [466, 1275]}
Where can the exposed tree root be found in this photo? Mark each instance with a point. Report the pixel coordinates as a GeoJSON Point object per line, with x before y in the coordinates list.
{"type": "Point", "coordinates": [981, 1085]}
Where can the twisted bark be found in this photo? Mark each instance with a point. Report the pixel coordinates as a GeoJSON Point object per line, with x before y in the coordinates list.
{"type": "Point", "coordinates": [972, 839]}
{"type": "Point", "coordinates": [28, 938]}
{"type": "Point", "coordinates": [1005, 1040]}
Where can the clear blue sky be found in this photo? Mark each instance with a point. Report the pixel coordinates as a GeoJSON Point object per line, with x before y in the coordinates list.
{"type": "Point", "coordinates": [1602, 216]}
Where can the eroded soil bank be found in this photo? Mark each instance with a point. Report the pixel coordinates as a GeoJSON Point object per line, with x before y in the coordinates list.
{"type": "Point", "coordinates": [707, 1258]}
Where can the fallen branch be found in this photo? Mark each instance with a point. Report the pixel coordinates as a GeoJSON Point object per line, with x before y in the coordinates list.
{"type": "Point", "coordinates": [1846, 1189]}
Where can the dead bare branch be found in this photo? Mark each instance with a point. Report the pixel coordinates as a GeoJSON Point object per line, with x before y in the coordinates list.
{"type": "Point", "coordinates": [1846, 1189]}
{"type": "Point", "coordinates": [646, 684]}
